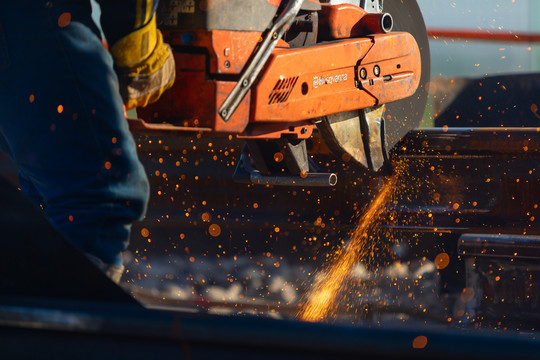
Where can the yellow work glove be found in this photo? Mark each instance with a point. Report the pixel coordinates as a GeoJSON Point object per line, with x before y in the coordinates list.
{"type": "Point", "coordinates": [144, 65]}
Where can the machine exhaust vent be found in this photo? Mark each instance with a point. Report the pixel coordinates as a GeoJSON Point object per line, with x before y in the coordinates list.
{"type": "Point", "coordinates": [282, 90]}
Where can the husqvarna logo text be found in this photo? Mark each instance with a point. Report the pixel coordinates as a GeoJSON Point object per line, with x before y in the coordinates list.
{"type": "Point", "coordinates": [328, 80]}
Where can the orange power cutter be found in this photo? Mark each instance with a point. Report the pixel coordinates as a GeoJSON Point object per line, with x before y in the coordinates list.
{"type": "Point", "coordinates": [270, 73]}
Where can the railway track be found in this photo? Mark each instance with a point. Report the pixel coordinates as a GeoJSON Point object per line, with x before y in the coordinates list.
{"type": "Point", "coordinates": [485, 178]}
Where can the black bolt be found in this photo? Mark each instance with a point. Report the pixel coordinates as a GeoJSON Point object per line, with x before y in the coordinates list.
{"type": "Point", "coordinates": [227, 64]}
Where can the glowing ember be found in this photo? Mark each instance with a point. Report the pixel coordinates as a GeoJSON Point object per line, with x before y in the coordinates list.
{"type": "Point", "coordinates": [64, 20]}
{"type": "Point", "coordinates": [214, 230]}
{"type": "Point", "coordinates": [420, 342]}
{"type": "Point", "coordinates": [442, 260]}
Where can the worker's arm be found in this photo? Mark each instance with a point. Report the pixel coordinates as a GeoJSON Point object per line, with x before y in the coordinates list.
{"type": "Point", "coordinates": [144, 64]}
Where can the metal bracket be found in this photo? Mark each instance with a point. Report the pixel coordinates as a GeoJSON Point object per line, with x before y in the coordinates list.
{"type": "Point", "coordinates": [372, 6]}
{"type": "Point", "coordinates": [294, 152]}
{"type": "Point", "coordinates": [372, 123]}
{"type": "Point", "coordinates": [246, 173]}
{"type": "Point", "coordinates": [296, 156]}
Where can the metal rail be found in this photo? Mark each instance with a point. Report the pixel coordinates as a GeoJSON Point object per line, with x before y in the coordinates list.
{"type": "Point", "coordinates": [470, 180]}
{"type": "Point", "coordinates": [484, 35]}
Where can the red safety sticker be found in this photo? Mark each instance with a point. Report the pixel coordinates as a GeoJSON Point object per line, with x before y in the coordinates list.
{"type": "Point", "coordinates": [274, 2]}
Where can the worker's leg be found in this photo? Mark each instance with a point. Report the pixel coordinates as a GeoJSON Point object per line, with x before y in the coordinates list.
{"type": "Point", "coordinates": [63, 120]}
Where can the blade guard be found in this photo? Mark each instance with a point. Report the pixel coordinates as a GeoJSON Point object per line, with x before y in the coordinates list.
{"type": "Point", "coordinates": [339, 77]}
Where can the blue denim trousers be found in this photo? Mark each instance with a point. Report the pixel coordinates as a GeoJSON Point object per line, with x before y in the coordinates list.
{"type": "Point", "coordinates": [62, 122]}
